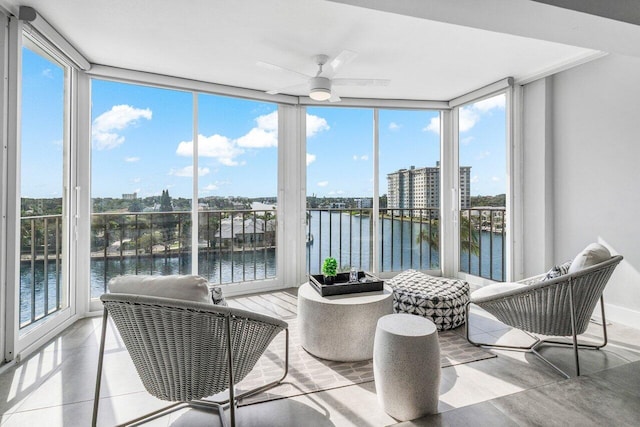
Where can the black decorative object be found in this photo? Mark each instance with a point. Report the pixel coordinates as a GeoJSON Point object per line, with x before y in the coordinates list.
{"type": "Point", "coordinates": [341, 284]}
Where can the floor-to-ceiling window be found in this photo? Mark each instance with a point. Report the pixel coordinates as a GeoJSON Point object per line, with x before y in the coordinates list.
{"type": "Point", "coordinates": [482, 135]}
{"type": "Point", "coordinates": [141, 182]}
{"type": "Point", "coordinates": [147, 185]}
{"type": "Point", "coordinates": [44, 185]}
{"type": "Point", "coordinates": [339, 187]}
{"type": "Point", "coordinates": [409, 185]}
{"type": "Point", "coordinates": [341, 217]}
{"type": "Point", "coordinates": [237, 148]}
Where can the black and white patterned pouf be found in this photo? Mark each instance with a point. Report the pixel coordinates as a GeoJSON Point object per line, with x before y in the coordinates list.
{"type": "Point", "coordinates": [440, 299]}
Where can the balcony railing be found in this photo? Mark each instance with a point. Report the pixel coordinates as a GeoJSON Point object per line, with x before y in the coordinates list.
{"type": "Point", "coordinates": [482, 242]}
{"type": "Point", "coordinates": [233, 245]}
{"type": "Point", "coordinates": [408, 238]}
{"type": "Point", "coordinates": [41, 292]}
{"type": "Point", "coordinates": [240, 246]}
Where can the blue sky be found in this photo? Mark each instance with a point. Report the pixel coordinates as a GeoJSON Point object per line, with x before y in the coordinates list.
{"type": "Point", "coordinates": [142, 142]}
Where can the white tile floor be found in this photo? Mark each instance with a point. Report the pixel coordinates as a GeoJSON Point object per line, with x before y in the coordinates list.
{"type": "Point", "coordinates": [54, 387]}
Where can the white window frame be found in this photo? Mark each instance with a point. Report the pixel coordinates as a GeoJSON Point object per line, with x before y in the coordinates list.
{"type": "Point", "coordinates": [513, 244]}
{"type": "Point", "coordinates": [19, 344]}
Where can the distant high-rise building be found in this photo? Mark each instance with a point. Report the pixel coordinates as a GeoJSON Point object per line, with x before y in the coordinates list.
{"type": "Point", "coordinates": [130, 196]}
{"type": "Point", "coordinates": [364, 203]}
{"type": "Point", "coordinates": [420, 188]}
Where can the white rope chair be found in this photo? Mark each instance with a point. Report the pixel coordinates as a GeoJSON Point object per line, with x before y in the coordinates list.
{"type": "Point", "coordinates": [560, 307]}
{"type": "Point", "coordinates": [186, 351]}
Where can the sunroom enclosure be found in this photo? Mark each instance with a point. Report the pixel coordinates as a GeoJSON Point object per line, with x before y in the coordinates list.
{"type": "Point", "coordinates": [133, 211]}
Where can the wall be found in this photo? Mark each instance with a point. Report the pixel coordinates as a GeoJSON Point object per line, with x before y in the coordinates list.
{"type": "Point", "coordinates": [595, 170]}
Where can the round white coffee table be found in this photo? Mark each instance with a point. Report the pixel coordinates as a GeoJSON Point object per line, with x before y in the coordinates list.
{"type": "Point", "coordinates": [341, 327]}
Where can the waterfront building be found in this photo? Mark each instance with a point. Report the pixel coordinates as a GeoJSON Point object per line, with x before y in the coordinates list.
{"type": "Point", "coordinates": [420, 188]}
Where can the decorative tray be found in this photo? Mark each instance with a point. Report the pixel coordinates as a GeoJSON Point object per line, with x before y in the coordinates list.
{"type": "Point", "coordinates": [341, 285]}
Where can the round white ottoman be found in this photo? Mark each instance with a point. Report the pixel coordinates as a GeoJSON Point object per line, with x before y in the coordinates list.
{"type": "Point", "coordinates": [341, 327]}
{"type": "Point", "coordinates": [406, 366]}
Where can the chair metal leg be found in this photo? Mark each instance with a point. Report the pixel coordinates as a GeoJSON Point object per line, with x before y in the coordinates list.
{"type": "Point", "coordinates": [232, 400]}
{"type": "Point", "coordinates": [219, 406]}
{"type": "Point", "coordinates": [573, 328]}
{"type": "Point", "coordinates": [264, 387]}
{"type": "Point", "coordinates": [533, 348]}
{"type": "Point", "coordinates": [96, 395]}
{"type": "Point", "coordinates": [201, 404]}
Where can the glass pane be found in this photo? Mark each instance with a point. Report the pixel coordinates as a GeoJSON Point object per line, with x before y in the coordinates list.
{"type": "Point", "coordinates": [339, 187]}
{"type": "Point", "coordinates": [237, 191]}
{"type": "Point", "coordinates": [410, 188]}
{"type": "Point", "coordinates": [43, 183]}
{"type": "Point", "coordinates": [141, 183]}
{"type": "Point", "coordinates": [483, 187]}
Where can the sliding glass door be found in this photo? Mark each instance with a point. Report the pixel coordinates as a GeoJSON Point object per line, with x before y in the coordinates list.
{"type": "Point", "coordinates": [44, 189]}
{"type": "Point", "coordinates": [483, 184]}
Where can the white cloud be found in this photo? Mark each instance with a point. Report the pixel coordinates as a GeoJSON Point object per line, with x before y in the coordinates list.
{"type": "Point", "coordinates": [105, 126]}
{"type": "Point", "coordinates": [131, 159]}
{"type": "Point", "coordinates": [495, 179]}
{"type": "Point", "coordinates": [490, 103]}
{"type": "Point", "coordinates": [471, 114]}
{"type": "Point", "coordinates": [483, 155]}
{"type": "Point", "coordinates": [394, 126]}
{"type": "Point", "coordinates": [187, 171]}
{"type": "Point", "coordinates": [216, 146]}
{"type": "Point", "coordinates": [264, 135]}
{"type": "Point", "coordinates": [336, 193]}
{"type": "Point", "coordinates": [475, 179]}
{"type": "Point", "coordinates": [258, 138]}
{"type": "Point", "coordinates": [363, 157]}
{"type": "Point", "coordinates": [208, 188]}
{"type": "Point", "coordinates": [310, 158]}
{"type": "Point", "coordinates": [323, 183]}
{"type": "Point", "coordinates": [315, 125]}
{"type": "Point", "coordinates": [136, 180]}
{"type": "Point", "coordinates": [433, 126]}
{"type": "Point", "coordinates": [468, 118]}
{"type": "Point", "coordinates": [467, 140]}
{"type": "Point", "coordinates": [47, 73]}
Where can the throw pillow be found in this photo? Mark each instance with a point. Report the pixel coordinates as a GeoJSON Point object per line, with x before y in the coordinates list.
{"type": "Point", "coordinates": [557, 271]}
{"type": "Point", "coordinates": [593, 254]}
{"type": "Point", "coordinates": [217, 297]}
{"type": "Point", "coordinates": [183, 287]}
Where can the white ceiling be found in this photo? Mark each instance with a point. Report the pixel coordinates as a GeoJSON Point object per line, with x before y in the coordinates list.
{"type": "Point", "coordinates": [220, 41]}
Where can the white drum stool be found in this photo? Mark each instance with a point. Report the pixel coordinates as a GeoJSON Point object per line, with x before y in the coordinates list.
{"type": "Point", "coordinates": [406, 366]}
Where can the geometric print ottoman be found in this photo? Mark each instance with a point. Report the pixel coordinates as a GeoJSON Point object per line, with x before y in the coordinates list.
{"type": "Point", "coordinates": [440, 299]}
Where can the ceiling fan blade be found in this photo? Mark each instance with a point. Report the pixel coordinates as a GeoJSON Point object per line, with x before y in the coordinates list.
{"type": "Point", "coordinates": [343, 58]}
{"type": "Point", "coordinates": [360, 82]}
{"type": "Point", "coordinates": [334, 97]}
{"type": "Point", "coordinates": [286, 88]}
{"type": "Point", "coordinates": [274, 67]}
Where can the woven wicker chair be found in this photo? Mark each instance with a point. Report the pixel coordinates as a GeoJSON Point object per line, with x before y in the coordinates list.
{"type": "Point", "coordinates": [560, 307]}
{"type": "Point", "coordinates": [186, 351]}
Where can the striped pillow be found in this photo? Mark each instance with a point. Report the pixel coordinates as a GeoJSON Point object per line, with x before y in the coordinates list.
{"type": "Point", "coordinates": [557, 271]}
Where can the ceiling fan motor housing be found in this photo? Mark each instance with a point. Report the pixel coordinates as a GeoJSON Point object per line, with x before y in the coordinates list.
{"type": "Point", "coordinates": [320, 88]}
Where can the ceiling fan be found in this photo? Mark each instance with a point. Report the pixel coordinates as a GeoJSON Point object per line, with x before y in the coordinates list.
{"type": "Point", "coordinates": [320, 85]}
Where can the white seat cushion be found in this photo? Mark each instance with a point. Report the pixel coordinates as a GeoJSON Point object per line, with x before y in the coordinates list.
{"type": "Point", "coordinates": [183, 287]}
{"type": "Point", "coordinates": [593, 254]}
{"type": "Point", "coordinates": [490, 291]}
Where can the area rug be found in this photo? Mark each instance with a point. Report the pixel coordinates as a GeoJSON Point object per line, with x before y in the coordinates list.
{"type": "Point", "coordinates": [309, 374]}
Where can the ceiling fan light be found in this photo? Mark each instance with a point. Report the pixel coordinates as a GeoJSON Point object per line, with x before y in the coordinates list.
{"type": "Point", "coordinates": [320, 89]}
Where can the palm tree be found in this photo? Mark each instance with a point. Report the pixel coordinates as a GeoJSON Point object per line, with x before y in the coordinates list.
{"type": "Point", "coordinates": [469, 236]}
